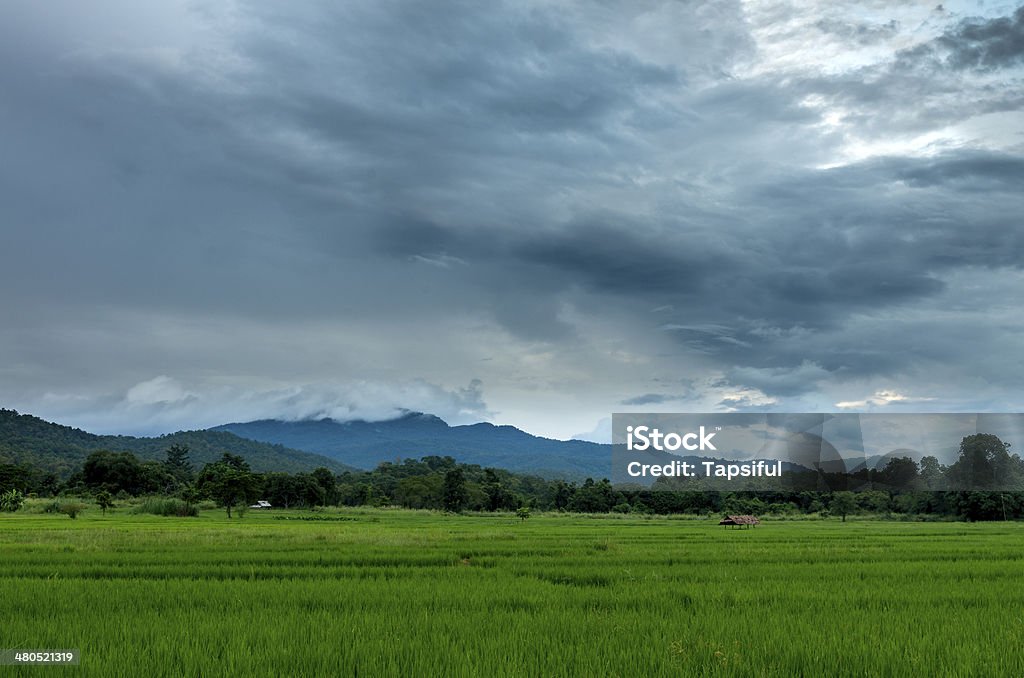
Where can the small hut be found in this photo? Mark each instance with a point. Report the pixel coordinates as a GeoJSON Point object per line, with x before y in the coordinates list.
{"type": "Point", "coordinates": [739, 521]}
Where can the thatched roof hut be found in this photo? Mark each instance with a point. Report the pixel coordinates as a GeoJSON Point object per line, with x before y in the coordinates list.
{"type": "Point", "coordinates": [739, 521]}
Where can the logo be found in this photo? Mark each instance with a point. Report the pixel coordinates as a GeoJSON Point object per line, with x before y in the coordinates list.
{"type": "Point", "coordinates": [642, 438]}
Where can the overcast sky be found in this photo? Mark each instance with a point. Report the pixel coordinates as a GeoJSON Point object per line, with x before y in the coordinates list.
{"type": "Point", "coordinates": [527, 213]}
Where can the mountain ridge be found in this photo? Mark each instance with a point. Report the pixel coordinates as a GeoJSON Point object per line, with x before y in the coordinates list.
{"type": "Point", "coordinates": [60, 449]}
{"type": "Point", "coordinates": [366, 444]}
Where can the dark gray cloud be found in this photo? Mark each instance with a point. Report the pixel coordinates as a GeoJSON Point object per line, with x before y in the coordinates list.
{"type": "Point", "coordinates": [653, 399]}
{"type": "Point", "coordinates": [570, 203]}
{"type": "Point", "coordinates": [980, 44]}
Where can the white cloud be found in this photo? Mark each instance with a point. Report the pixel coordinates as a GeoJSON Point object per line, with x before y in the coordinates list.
{"type": "Point", "coordinates": [162, 405]}
{"type": "Point", "coordinates": [602, 432]}
{"type": "Point", "coordinates": [157, 391]}
{"type": "Point", "coordinates": [881, 399]}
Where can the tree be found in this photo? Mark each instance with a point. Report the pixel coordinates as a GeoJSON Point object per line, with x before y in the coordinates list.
{"type": "Point", "coordinates": [523, 512]}
{"type": "Point", "coordinates": [228, 482]}
{"type": "Point", "coordinates": [492, 488]}
{"type": "Point", "coordinates": [328, 483]}
{"type": "Point", "coordinates": [371, 495]}
{"type": "Point", "coordinates": [114, 471]}
{"type": "Point", "coordinates": [498, 497]}
{"type": "Point", "coordinates": [190, 495]}
{"type": "Point", "coordinates": [280, 489]}
{"type": "Point", "coordinates": [308, 491]}
{"type": "Point", "coordinates": [899, 473]}
{"type": "Point", "coordinates": [978, 505]}
{"type": "Point", "coordinates": [178, 464]}
{"type": "Point", "coordinates": [420, 492]}
{"type": "Point", "coordinates": [874, 501]}
{"type": "Point", "coordinates": [156, 478]}
{"type": "Point", "coordinates": [48, 485]}
{"type": "Point", "coordinates": [235, 461]}
{"type": "Point", "coordinates": [14, 477]}
{"type": "Point", "coordinates": [455, 494]}
{"type": "Point", "coordinates": [931, 473]}
{"type": "Point", "coordinates": [105, 500]}
{"type": "Point", "coordinates": [843, 503]}
{"type": "Point", "coordinates": [984, 463]}
{"type": "Point", "coordinates": [593, 497]}
{"type": "Point", "coordinates": [563, 494]}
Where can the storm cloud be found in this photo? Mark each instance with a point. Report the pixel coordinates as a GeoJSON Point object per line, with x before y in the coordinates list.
{"type": "Point", "coordinates": [532, 213]}
{"type": "Point", "coordinates": [995, 43]}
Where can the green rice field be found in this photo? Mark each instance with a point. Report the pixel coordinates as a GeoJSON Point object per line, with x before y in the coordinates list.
{"type": "Point", "coordinates": [403, 593]}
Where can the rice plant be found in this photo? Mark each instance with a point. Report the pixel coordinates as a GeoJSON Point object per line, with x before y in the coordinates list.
{"type": "Point", "coordinates": [386, 592]}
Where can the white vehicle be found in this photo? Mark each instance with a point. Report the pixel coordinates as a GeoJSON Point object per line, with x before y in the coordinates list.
{"type": "Point", "coordinates": [262, 503]}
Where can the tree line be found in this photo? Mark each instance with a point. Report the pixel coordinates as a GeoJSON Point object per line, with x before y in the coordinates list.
{"type": "Point", "coordinates": [441, 483]}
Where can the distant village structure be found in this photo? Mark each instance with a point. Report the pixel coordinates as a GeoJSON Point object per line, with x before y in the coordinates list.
{"type": "Point", "coordinates": [739, 521]}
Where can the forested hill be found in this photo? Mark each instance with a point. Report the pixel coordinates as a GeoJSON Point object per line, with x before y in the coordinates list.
{"type": "Point", "coordinates": [52, 448]}
{"type": "Point", "coordinates": [366, 444]}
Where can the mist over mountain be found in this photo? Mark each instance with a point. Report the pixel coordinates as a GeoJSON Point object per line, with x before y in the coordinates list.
{"type": "Point", "coordinates": [365, 444]}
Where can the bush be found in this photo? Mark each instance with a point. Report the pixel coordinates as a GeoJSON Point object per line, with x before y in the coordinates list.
{"type": "Point", "coordinates": [11, 501]}
{"type": "Point", "coordinates": [70, 508]}
{"type": "Point", "coordinates": [159, 506]}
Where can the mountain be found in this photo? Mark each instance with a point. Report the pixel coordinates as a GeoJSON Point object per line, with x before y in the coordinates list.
{"type": "Point", "coordinates": [53, 448]}
{"type": "Point", "coordinates": [366, 444]}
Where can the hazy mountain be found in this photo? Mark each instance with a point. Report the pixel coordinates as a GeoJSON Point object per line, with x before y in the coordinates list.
{"type": "Point", "coordinates": [366, 444]}
{"type": "Point", "coordinates": [29, 440]}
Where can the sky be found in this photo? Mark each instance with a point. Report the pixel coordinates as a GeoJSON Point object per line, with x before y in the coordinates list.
{"type": "Point", "coordinates": [529, 213]}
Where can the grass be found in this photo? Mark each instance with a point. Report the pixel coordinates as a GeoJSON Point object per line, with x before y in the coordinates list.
{"type": "Point", "coordinates": [162, 506]}
{"type": "Point", "coordinates": [387, 592]}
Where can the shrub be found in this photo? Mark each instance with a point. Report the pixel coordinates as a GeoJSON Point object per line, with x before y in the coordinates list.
{"type": "Point", "coordinates": [71, 508]}
{"type": "Point", "coordinates": [11, 501]}
{"type": "Point", "coordinates": [166, 507]}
